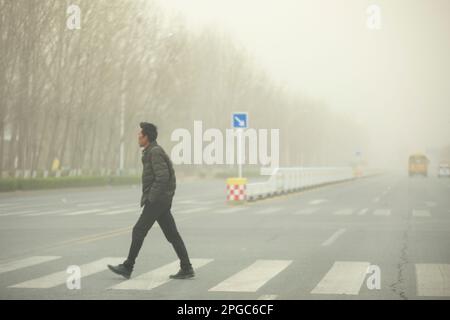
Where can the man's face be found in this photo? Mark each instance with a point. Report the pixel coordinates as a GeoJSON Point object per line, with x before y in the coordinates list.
{"type": "Point", "coordinates": [142, 139]}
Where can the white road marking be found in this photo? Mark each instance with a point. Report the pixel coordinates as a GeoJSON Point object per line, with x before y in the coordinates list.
{"type": "Point", "coordinates": [306, 211]}
{"type": "Point", "coordinates": [430, 204]}
{"type": "Point", "coordinates": [363, 211]}
{"type": "Point", "coordinates": [187, 201]}
{"type": "Point", "coordinates": [124, 206]}
{"type": "Point", "coordinates": [334, 237]}
{"type": "Point", "coordinates": [433, 280]}
{"type": "Point", "coordinates": [193, 210]}
{"type": "Point", "coordinates": [7, 204]}
{"type": "Point", "coordinates": [59, 278]}
{"type": "Point", "coordinates": [317, 201]}
{"type": "Point", "coordinates": [382, 212]}
{"type": "Point", "coordinates": [376, 199]}
{"type": "Point", "coordinates": [268, 210]}
{"type": "Point", "coordinates": [92, 204]}
{"type": "Point", "coordinates": [195, 202]}
{"type": "Point", "coordinates": [203, 203]}
{"type": "Point", "coordinates": [16, 213]}
{"type": "Point", "coordinates": [27, 262]}
{"type": "Point", "coordinates": [343, 212]}
{"type": "Point", "coordinates": [45, 213]}
{"type": "Point", "coordinates": [27, 206]}
{"type": "Point", "coordinates": [77, 213]}
{"type": "Point", "coordinates": [421, 213]}
{"type": "Point", "coordinates": [230, 210]}
{"type": "Point", "coordinates": [253, 277]}
{"type": "Point", "coordinates": [344, 277]}
{"type": "Point", "coordinates": [18, 205]}
{"type": "Point", "coordinates": [115, 212]}
{"type": "Point", "coordinates": [268, 297]}
{"type": "Point", "coordinates": [157, 277]}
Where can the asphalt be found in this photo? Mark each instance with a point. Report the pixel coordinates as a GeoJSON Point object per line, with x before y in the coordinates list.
{"type": "Point", "coordinates": [383, 237]}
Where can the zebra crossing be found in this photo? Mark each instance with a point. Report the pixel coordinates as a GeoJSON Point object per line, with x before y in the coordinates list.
{"type": "Point", "coordinates": [382, 212]}
{"type": "Point", "coordinates": [421, 213]}
{"type": "Point", "coordinates": [59, 278]}
{"type": "Point", "coordinates": [362, 211]}
{"type": "Point", "coordinates": [116, 212]}
{"type": "Point", "coordinates": [45, 213]}
{"type": "Point", "coordinates": [83, 209]}
{"type": "Point", "coordinates": [340, 278]}
{"type": "Point", "coordinates": [416, 213]}
{"type": "Point", "coordinates": [187, 207]}
{"type": "Point", "coordinates": [268, 210]}
{"type": "Point", "coordinates": [342, 212]}
{"type": "Point", "coordinates": [65, 211]}
{"type": "Point", "coordinates": [433, 280]}
{"type": "Point", "coordinates": [253, 277]}
{"type": "Point", "coordinates": [27, 262]}
{"type": "Point", "coordinates": [82, 212]}
{"type": "Point", "coordinates": [334, 237]}
{"type": "Point", "coordinates": [344, 277]}
{"type": "Point", "coordinates": [306, 211]}
{"type": "Point", "coordinates": [157, 277]}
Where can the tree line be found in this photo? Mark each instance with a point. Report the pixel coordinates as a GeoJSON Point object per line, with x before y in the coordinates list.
{"type": "Point", "coordinates": [64, 93]}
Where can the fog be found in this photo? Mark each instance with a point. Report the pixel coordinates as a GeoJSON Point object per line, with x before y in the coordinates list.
{"type": "Point", "coordinates": [316, 70]}
{"type": "Point", "coordinates": [394, 81]}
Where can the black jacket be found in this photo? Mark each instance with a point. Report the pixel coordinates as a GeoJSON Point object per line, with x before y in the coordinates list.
{"type": "Point", "coordinates": [158, 175]}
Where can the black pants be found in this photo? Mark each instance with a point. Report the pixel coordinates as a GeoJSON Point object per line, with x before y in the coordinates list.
{"type": "Point", "coordinates": [160, 212]}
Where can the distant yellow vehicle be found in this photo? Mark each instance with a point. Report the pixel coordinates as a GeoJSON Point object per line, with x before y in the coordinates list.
{"type": "Point", "coordinates": [418, 165]}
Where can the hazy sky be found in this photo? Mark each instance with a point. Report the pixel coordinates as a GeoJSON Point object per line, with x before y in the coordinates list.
{"type": "Point", "coordinates": [395, 81]}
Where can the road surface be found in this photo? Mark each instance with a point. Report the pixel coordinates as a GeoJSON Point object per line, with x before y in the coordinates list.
{"type": "Point", "coordinates": [384, 237]}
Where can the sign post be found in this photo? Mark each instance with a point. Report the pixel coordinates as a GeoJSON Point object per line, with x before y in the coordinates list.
{"type": "Point", "coordinates": [358, 164]}
{"type": "Point", "coordinates": [240, 122]}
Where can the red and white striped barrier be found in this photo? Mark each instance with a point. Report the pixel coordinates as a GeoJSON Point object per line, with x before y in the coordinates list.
{"type": "Point", "coordinates": [236, 190]}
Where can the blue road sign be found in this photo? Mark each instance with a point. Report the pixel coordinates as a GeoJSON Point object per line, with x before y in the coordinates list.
{"type": "Point", "coordinates": [240, 120]}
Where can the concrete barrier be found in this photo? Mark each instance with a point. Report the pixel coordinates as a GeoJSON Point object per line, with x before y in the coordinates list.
{"type": "Point", "coordinates": [288, 180]}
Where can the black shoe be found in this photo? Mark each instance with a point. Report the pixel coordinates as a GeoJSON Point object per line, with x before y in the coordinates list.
{"type": "Point", "coordinates": [121, 269]}
{"type": "Point", "coordinates": [183, 274]}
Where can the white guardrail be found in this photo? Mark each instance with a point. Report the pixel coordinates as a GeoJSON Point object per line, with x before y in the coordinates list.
{"type": "Point", "coordinates": [286, 180]}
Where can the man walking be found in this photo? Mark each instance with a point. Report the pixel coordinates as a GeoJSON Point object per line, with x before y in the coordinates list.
{"type": "Point", "coordinates": [158, 189]}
